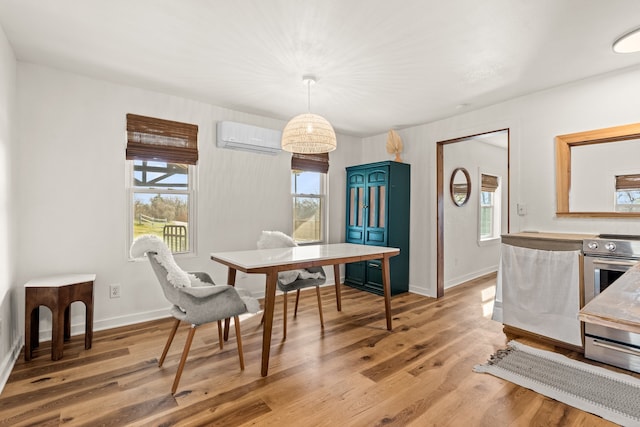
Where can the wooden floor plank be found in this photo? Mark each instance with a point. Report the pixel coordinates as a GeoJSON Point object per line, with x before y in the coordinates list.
{"type": "Point", "coordinates": [351, 373]}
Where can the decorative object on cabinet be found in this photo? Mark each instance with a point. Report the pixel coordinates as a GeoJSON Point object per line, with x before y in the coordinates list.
{"type": "Point", "coordinates": [378, 208]}
{"type": "Point", "coordinates": [460, 186]}
{"type": "Point", "coordinates": [394, 144]}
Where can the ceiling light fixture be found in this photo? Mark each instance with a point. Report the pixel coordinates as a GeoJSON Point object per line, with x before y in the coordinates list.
{"type": "Point", "coordinates": [629, 43]}
{"type": "Point", "coordinates": [308, 133]}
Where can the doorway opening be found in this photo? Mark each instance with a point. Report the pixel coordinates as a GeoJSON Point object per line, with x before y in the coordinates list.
{"type": "Point", "coordinates": [477, 168]}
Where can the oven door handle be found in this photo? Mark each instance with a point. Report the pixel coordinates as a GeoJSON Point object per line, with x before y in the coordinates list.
{"type": "Point", "coordinates": [620, 263]}
{"type": "Point", "coordinates": [614, 347]}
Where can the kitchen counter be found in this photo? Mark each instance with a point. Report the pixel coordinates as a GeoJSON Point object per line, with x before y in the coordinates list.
{"type": "Point", "coordinates": [546, 241]}
{"type": "Point", "coordinates": [618, 306]}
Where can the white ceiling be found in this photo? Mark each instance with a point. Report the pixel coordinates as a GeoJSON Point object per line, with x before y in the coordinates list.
{"type": "Point", "coordinates": [380, 64]}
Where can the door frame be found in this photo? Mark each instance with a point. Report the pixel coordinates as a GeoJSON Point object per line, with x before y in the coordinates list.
{"type": "Point", "coordinates": [440, 195]}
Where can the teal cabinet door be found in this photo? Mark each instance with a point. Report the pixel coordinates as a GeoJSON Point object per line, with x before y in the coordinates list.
{"type": "Point", "coordinates": [355, 206]}
{"type": "Point", "coordinates": [376, 207]}
{"type": "Point", "coordinates": [378, 203]}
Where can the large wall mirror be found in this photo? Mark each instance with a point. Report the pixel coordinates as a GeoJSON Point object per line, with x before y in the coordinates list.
{"type": "Point", "coordinates": [598, 173]}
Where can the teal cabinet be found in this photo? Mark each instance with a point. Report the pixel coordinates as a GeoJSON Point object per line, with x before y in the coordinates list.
{"type": "Point", "coordinates": [378, 210]}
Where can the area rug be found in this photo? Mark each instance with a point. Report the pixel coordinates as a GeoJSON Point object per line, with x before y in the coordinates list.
{"type": "Point", "coordinates": [610, 395]}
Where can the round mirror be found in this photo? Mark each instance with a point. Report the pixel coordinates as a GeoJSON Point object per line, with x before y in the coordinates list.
{"type": "Point", "coordinates": [460, 186]}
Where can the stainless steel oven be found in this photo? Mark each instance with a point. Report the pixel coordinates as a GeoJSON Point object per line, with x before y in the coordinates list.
{"type": "Point", "coordinates": [605, 260]}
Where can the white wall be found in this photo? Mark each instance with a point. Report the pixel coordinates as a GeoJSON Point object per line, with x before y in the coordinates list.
{"type": "Point", "coordinates": [9, 319]}
{"type": "Point", "coordinates": [464, 257]}
{"type": "Point", "coordinates": [73, 203]}
{"type": "Point", "coordinates": [534, 121]}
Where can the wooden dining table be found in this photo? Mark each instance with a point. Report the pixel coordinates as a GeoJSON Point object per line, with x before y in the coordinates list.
{"type": "Point", "coordinates": [272, 261]}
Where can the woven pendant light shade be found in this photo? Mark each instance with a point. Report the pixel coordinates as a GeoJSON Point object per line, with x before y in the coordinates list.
{"type": "Point", "coordinates": [308, 133]}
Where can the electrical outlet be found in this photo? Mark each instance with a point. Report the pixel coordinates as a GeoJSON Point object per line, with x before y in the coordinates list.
{"type": "Point", "coordinates": [114, 291]}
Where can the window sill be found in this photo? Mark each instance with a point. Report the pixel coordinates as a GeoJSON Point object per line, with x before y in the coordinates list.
{"type": "Point", "coordinates": [489, 242]}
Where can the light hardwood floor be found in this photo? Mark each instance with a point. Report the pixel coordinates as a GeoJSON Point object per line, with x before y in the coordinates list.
{"type": "Point", "coordinates": [354, 373]}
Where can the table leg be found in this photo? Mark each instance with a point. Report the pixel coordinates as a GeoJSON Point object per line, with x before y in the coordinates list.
{"type": "Point", "coordinates": [88, 328]}
{"type": "Point", "coordinates": [67, 323]}
{"type": "Point", "coordinates": [336, 276]}
{"type": "Point", "coordinates": [57, 331]}
{"type": "Point", "coordinates": [386, 284]}
{"type": "Point", "coordinates": [35, 327]}
{"type": "Point", "coordinates": [269, 302]}
{"type": "Point", "coordinates": [31, 328]}
{"type": "Point", "coordinates": [231, 280]}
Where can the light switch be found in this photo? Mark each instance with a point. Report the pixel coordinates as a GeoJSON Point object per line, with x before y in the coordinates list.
{"type": "Point", "coordinates": [522, 209]}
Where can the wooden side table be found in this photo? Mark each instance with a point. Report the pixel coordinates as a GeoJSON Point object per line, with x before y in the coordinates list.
{"type": "Point", "coordinates": [57, 293]}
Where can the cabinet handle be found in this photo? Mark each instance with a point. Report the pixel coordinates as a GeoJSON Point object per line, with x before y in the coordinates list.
{"type": "Point", "coordinates": [372, 265]}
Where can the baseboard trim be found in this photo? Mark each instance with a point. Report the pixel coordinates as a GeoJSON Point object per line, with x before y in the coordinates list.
{"type": "Point", "coordinates": [116, 322]}
{"type": "Point", "coordinates": [470, 276]}
{"type": "Point", "coordinates": [113, 322]}
{"type": "Point", "coordinates": [420, 290]}
{"type": "Point", "coordinates": [9, 362]}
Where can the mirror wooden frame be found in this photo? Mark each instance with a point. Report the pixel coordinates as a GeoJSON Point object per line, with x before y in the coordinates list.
{"type": "Point", "coordinates": [467, 177]}
{"type": "Point", "coordinates": [564, 143]}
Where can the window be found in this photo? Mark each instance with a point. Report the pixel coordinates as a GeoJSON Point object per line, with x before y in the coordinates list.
{"type": "Point", "coordinates": [162, 155]}
{"type": "Point", "coordinates": [627, 197]}
{"type": "Point", "coordinates": [308, 190]}
{"type": "Point", "coordinates": [486, 214]}
{"type": "Point", "coordinates": [490, 195]}
{"type": "Point", "coordinates": [162, 194]}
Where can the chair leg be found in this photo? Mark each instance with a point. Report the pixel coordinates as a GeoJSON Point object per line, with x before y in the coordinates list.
{"type": "Point", "coordinates": [172, 334]}
{"type": "Point", "coordinates": [284, 316]}
{"type": "Point", "coordinates": [183, 359]}
{"type": "Point", "coordinates": [236, 321]}
{"type": "Point", "coordinates": [295, 311]}
{"type": "Point", "coordinates": [320, 306]}
{"type": "Point", "coordinates": [220, 340]}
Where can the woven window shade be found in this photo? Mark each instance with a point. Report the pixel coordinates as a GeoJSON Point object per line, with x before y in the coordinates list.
{"type": "Point", "coordinates": [149, 138]}
{"type": "Point", "coordinates": [310, 162]}
{"type": "Point", "coordinates": [460, 188]}
{"type": "Point", "coordinates": [489, 183]}
{"type": "Point", "coordinates": [628, 182]}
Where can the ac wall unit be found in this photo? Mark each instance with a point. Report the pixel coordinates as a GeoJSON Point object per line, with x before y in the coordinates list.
{"type": "Point", "coordinates": [239, 136]}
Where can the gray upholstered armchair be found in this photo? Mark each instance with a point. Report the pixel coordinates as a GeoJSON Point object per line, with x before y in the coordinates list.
{"type": "Point", "coordinates": [293, 280]}
{"type": "Point", "coordinates": [197, 306]}
{"type": "Point", "coordinates": [298, 284]}
{"type": "Point", "coordinates": [196, 300]}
